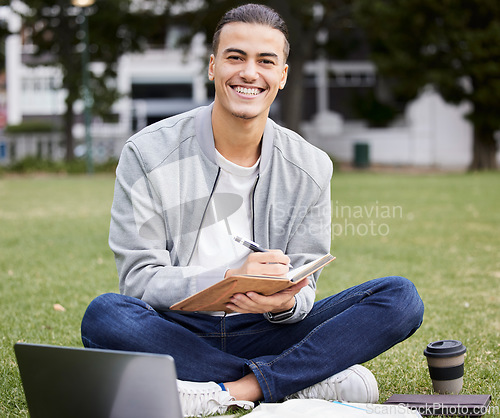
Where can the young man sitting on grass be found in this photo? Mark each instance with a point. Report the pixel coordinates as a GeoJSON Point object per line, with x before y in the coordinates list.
{"type": "Point", "coordinates": [184, 186]}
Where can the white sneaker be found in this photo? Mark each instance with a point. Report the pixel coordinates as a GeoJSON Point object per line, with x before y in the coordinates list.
{"type": "Point", "coordinates": [201, 399]}
{"type": "Point", "coordinates": [355, 384]}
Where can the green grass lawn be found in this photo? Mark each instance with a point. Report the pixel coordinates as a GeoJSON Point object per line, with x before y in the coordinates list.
{"type": "Point", "coordinates": [441, 231]}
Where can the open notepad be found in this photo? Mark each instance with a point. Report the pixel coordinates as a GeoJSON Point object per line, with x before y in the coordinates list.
{"type": "Point", "coordinates": [217, 296]}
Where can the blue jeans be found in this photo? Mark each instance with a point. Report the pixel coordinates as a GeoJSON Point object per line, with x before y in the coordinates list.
{"type": "Point", "coordinates": [348, 328]}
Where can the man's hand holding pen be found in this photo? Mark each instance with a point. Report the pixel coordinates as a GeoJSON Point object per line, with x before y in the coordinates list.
{"type": "Point", "coordinates": [266, 262]}
{"type": "Point", "coordinates": [270, 263]}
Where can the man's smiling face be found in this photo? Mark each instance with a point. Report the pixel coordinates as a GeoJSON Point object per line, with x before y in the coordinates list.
{"type": "Point", "coordinates": [248, 69]}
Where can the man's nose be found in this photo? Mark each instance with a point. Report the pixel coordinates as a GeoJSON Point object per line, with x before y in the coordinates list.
{"type": "Point", "coordinates": [249, 71]}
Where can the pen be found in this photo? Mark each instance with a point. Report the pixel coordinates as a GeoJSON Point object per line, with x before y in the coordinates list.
{"type": "Point", "coordinates": [252, 246]}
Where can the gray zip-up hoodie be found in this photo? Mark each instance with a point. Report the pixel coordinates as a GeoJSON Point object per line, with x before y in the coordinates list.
{"type": "Point", "coordinates": [164, 181]}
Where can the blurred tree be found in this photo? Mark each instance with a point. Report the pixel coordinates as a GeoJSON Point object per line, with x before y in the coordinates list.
{"type": "Point", "coordinates": [316, 28]}
{"type": "Point", "coordinates": [115, 27]}
{"type": "Point", "coordinates": [453, 45]}
{"type": "Point", "coordinates": [4, 32]}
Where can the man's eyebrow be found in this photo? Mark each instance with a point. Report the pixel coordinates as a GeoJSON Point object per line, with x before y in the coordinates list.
{"type": "Point", "coordinates": [241, 52]}
{"type": "Point", "coordinates": [234, 50]}
{"type": "Point", "coordinates": [268, 54]}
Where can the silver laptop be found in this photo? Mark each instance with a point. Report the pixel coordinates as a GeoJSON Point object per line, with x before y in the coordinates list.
{"type": "Point", "coordinates": [64, 382]}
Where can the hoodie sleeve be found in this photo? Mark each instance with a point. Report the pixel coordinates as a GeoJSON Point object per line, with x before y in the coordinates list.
{"type": "Point", "coordinates": [311, 240]}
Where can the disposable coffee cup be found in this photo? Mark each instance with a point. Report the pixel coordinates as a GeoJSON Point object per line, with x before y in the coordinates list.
{"type": "Point", "coordinates": [445, 359]}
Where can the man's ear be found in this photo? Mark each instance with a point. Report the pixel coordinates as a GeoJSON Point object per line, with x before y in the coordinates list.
{"type": "Point", "coordinates": [211, 65]}
{"type": "Point", "coordinates": [284, 77]}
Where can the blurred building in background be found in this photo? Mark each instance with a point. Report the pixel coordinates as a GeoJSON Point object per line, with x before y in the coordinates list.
{"type": "Point", "coordinates": [160, 82]}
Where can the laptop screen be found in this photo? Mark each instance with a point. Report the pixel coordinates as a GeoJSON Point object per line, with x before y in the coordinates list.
{"type": "Point", "coordinates": [77, 382]}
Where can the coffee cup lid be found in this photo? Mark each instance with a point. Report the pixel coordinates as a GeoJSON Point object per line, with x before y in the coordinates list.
{"type": "Point", "coordinates": [445, 348]}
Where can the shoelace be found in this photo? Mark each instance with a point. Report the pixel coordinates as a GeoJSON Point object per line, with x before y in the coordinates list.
{"type": "Point", "coordinates": [211, 402]}
{"type": "Point", "coordinates": [208, 402]}
{"type": "Point", "coordinates": [326, 389]}
{"type": "Point", "coordinates": [323, 390]}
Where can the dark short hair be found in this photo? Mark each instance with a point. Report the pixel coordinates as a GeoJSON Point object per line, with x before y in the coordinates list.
{"type": "Point", "coordinates": [252, 13]}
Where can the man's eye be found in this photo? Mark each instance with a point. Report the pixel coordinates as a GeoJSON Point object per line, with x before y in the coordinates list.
{"type": "Point", "coordinates": [233, 57]}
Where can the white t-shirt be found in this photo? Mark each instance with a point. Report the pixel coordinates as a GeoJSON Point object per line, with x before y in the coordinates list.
{"type": "Point", "coordinates": [228, 214]}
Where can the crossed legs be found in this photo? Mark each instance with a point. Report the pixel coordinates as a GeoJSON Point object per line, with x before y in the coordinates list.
{"type": "Point", "coordinates": [348, 328]}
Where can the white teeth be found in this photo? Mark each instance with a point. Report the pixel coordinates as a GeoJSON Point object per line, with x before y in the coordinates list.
{"type": "Point", "coordinates": [244, 90]}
